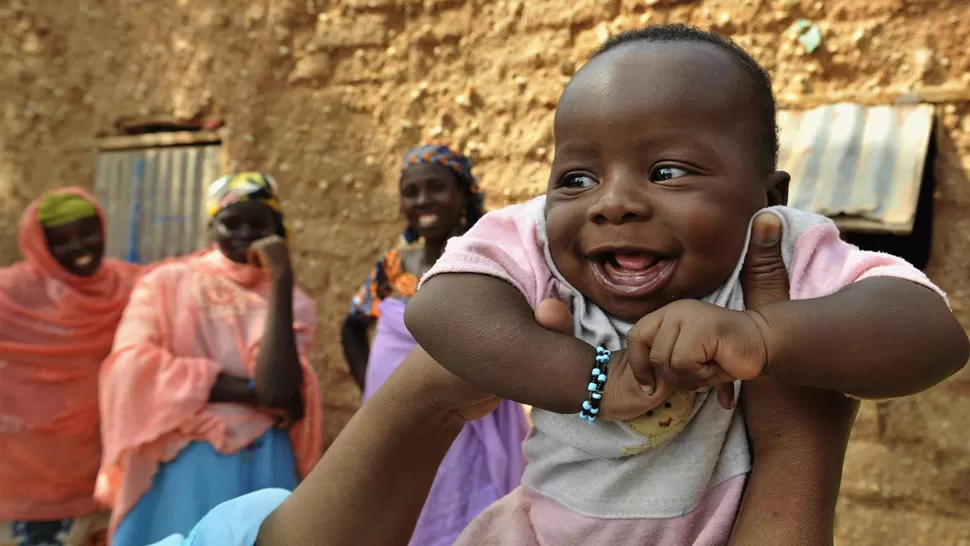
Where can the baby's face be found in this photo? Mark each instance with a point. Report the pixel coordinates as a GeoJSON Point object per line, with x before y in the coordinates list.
{"type": "Point", "coordinates": [656, 175]}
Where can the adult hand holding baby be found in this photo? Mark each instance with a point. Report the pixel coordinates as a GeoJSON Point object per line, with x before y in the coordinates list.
{"type": "Point", "coordinates": [798, 435]}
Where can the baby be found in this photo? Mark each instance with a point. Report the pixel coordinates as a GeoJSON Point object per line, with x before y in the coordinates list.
{"type": "Point", "coordinates": [666, 148]}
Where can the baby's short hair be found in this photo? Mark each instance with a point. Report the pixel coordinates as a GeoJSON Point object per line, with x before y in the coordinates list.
{"type": "Point", "coordinates": [757, 76]}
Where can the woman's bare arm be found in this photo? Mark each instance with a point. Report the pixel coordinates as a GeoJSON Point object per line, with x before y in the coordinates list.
{"type": "Point", "coordinates": [382, 464]}
{"type": "Point", "coordinates": [278, 373]}
{"type": "Point", "coordinates": [798, 439]}
{"type": "Point", "coordinates": [797, 435]}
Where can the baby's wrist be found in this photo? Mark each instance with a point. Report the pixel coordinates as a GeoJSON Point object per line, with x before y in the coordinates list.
{"type": "Point", "coordinates": [624, 396]}
{"type": "Point", "coordinates": [596, 385]}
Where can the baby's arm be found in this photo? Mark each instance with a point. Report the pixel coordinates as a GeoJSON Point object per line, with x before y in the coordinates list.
{"type": "Point", "coordinates": [483, 330]}
{"type": "Point", "coordinates": [872, 325]}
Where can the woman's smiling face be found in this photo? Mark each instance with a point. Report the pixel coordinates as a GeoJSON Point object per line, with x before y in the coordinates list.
{"type": "Point", "coordinates": [431, 201]}
{"type": "Point", "coordinates": [656, 175]}
{"type": "Point", "coordinates": [240, 225]}
{"type": "Point", "coordinates": [78, 245]}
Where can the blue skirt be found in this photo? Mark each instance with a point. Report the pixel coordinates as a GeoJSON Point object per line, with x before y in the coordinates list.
{"type": "Point", "coordinates": [199, 479]}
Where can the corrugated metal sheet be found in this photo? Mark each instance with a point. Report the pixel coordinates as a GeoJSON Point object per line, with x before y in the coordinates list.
{"type": "Point", "coordinates": [154, 200]}
{"type": "Point", "coordinates": [860, 165]}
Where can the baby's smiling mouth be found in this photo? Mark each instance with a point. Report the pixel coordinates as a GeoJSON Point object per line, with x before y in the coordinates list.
{"type": "Point", "coordinates": [633, 273]}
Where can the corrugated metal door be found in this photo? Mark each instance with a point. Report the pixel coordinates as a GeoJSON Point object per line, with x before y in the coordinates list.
{"type": "Point", "coordinates": [153, 198]}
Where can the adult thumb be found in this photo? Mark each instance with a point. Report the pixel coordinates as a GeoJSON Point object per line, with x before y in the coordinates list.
{"type": "Point", "coordinates": [554, 315]}
{"type": "Point", "coordinates": [764, 277]}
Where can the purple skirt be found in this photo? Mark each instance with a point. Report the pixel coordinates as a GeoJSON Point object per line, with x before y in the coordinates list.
{"type": "Point", "coordinates": [483, 465]}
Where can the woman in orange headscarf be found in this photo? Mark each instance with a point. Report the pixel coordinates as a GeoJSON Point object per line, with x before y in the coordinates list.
{"type": "Point", "coordinates": [59, 309]}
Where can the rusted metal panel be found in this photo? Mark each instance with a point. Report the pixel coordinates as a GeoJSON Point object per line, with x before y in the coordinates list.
{"type": "Point", "coordinates": [861, 166]}
{"type": "Point", "coordinates": [153, 198]}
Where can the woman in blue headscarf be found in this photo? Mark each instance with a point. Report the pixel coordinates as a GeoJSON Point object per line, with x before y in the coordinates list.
{"type": "Point", "coordinates": [440, 199]}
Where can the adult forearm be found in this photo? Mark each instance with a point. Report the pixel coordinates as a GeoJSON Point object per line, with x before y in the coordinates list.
{"type": "Point", "coordinates": [232, 389]}
{"type": "Point", "coordinates": [337, 502]}
{"type": "Point", "coordinates": [780, 507]}
{"type": "Point", "coordinates": [483, 330]}
{"type": "Point", "coordinates": [798, 438]}
{"type": "Point", "coordinates": [278, 373]}
{"type": "Point", "coordinates": [877, 338]}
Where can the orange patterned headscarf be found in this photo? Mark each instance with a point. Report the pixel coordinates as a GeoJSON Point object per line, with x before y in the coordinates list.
{"type": "Point", "coordinates": [462, 166]}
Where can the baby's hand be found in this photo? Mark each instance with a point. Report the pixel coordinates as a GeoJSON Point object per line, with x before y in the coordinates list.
{"type": "Point", "coordinates": [691, 344]}
{"type": "Point", "coordinates": [624, 397]}
{"type": "Point", "coordinates": [627, 394]}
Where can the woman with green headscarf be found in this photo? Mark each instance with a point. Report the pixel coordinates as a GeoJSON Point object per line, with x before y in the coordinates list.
{"type": "Point", "coordinates": [59, 310]}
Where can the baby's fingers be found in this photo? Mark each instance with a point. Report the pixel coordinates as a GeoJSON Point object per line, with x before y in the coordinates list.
{"type": "Point", "coordinates": [679, 358]}
{"type": "Point", "coordinates": [723, 382]}
{"type": "Point", "coordinates": [640, 348]}
{"type": "Point", "coordinates": [625, 396]}
{"type": "Point", "coordinates": [725, 395]}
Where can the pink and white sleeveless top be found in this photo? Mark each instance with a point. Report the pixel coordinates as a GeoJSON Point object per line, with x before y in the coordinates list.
{"type": "Point", "coordinates": [614, 470]}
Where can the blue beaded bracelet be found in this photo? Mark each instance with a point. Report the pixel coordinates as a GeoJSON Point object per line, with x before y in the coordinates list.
{"type": "Point", "coordinates": [597, 384]}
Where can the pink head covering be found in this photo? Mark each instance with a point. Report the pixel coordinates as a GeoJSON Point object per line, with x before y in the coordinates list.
{"type": "Point", "coordinates": [55, 330]}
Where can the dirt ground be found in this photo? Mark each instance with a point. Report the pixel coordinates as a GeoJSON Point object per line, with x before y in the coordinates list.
{"type": "Point", "coordinates": [326, 95]}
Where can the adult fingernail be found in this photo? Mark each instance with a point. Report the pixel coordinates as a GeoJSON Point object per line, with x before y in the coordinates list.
{"type": "Point", "coordinates": [766, 230]}
{"type": "Point", "coordinates": [648, 389]}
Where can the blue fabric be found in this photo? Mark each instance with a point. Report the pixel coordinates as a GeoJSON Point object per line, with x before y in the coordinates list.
{"type": "Point", "coordinates": [232, 523]}
{"type": "Point", "coordinates": [200, 479]}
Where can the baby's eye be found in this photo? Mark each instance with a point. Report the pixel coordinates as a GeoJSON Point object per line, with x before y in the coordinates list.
{"type": "Point", "coordinates": [663, 174]}
{"type": "Point", "coordinates": [577, 181]}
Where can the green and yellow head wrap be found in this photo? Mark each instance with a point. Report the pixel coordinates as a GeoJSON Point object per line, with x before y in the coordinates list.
{"type": "Point", "coordinates": [58, 209]}
{"type": "Point", "coordinates": [247, 186]}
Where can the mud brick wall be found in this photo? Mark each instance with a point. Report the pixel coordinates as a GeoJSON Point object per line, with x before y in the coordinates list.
{"type": "Point", "coordinates": [328, 94]}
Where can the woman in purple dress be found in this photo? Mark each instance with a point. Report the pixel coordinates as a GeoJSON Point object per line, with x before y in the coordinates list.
{"type": "Point", "coordinates": [439, 199]}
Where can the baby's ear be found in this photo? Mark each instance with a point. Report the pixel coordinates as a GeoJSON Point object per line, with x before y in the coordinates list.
{"type": "Point", "coordinates": [776, 186]}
